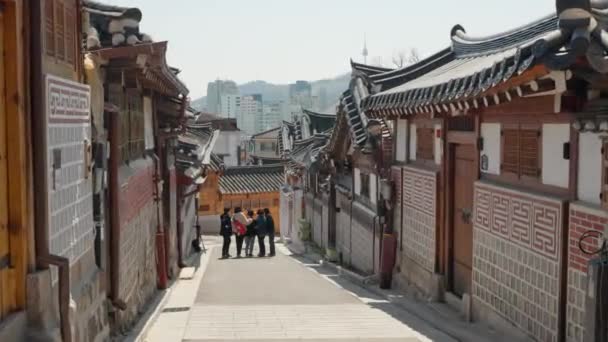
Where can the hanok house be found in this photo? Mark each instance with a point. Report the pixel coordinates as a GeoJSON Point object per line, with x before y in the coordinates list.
{"type": "Point", "coordinates": [40, 64]}
{"type": "Point", "coordinates": [145, 107]}
{"type": "Point", "coordinates": [499, 147]}
{"type": "Point", "coordinates": [193, 161]}
{"type": "Point", "coordinates": [263, 148]}
{"type": "Point", "coordinates": [299, 144]}
{"type": "Point", "coordinates": [248, 187]}
{"type": "Point", "coordinates": [341, 194]}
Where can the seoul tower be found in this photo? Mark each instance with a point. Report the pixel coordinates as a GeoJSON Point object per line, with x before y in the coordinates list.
{"type": "Point", "coordinates": [365, 52]}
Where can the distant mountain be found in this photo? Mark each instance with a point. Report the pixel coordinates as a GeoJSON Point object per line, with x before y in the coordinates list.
{"type": "Point", "coordinates": [333, 88]}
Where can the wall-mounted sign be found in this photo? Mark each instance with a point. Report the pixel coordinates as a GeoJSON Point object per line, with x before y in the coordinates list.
{"type": "Point", "coordinates": [484, 162]}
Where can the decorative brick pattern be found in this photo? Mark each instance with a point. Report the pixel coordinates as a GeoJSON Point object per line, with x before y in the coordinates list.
{"type": "Point", "coordinates": [582, 219]}
{"type": "Point", "coordinates": [70, 203]}
{"type": "Point", "coordinates": [516, 257]}
{"type": "Point", "coordinates": [419, 216]}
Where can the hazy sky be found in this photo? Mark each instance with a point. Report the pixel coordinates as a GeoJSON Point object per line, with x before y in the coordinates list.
{"type": "Point", "coordinates": [282, 41]}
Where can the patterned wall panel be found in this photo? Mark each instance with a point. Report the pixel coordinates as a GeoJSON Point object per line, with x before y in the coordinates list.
{"type": "Point", "coordinates": [70, 203]}
{"type": "Point", "coordinates": [419, 192]}
{"type": "Point", "coordinates": [516, 257]}
{"type": "Point", "coordinates": [583, 218]}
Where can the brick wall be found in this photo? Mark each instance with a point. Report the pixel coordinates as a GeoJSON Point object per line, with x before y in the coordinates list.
{"type": "Point", "coordinates": [583, 218]}
{"type": "Point", "coordinates": [419, 210]}
{"type": "Point", "coordinates": [138, 217]}
{"type": "Point", "coordinates": [517, 239]}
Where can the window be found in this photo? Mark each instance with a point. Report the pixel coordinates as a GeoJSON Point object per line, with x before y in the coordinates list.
{"type": "Point", "coordinates": [60, 30]}
{"type": "Point", "coordinates": [268, 146]}
{"type": "Point", "coordinates": [365, 185]}
{"type": "Point", "coordinates": [521, 146]}
{"type": "Point", "coordinates": [425, 143]}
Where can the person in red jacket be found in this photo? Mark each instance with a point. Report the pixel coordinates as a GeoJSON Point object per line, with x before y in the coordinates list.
{"type": "Point", "coordinates": [239, 226]}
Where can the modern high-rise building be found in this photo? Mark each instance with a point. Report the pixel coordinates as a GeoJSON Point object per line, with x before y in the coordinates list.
{"type": "Point", "coordinates": [216, 90]}
{"type": "Point", "coordinates": [230, 106]}
{"type": "Point", "coordinates": [273, 115]}
{"type": "Point", "coordinates": [251, 110]}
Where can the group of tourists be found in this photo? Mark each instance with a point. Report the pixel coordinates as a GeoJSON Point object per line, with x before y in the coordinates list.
{"type": "Point", "coordinates": [246, 228]}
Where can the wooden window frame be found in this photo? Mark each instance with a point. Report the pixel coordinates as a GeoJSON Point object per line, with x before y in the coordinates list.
{"type": "Point", "coordinates": [425, 142]}
{"type": "Point", "coordinates": [516, 172]}
{"type": "Point", "coordinates": [61, 31]}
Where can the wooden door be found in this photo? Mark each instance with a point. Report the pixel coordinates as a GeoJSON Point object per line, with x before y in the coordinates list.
{"type": "Point", "coordinates": [7, 288]}
{"type": "Point", "coordinates": [462, 213]}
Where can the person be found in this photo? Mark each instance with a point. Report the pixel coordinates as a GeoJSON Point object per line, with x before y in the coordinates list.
{"type": "Point", "coordinates": [239, 228]}
{"type": "Point", "coordinates": [226, 232]}
{"type": "Point", "coordinates": [250, 235]}
{"type": "Point", "coordinates": [270, 230]}
{"type": "Point", "coordinates": [261, 232]}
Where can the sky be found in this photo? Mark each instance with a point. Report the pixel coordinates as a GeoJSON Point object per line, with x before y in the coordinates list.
{"type": "Point", "coordinates": [281, 41]}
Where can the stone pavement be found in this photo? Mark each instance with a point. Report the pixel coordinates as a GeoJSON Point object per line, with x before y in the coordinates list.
{"type": "Point", "coordinates": [279, 299]}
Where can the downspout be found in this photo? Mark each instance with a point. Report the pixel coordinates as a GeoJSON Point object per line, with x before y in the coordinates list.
{"type": "Point", "coordinates": [38, 129]}
{"type": "Point", "coordinates": [114, 189]}
{"type": "Point", "coordinates": [180, 225]}
{"type": "Point", "coordinates": [162, 264]}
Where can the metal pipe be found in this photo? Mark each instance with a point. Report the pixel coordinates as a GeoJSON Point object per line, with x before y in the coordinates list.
{"type": "Point", "coordinates": [180, 226]}
{"type": "Point", "coordinates": [63, 264]}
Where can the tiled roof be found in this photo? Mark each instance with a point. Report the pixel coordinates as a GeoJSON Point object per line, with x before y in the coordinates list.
{"type": "Point", "coordinates": [194, 148]}
{"type": "Point", "coordinates": [471, 70]}
{"type": "Point", "coordinates": [251, 179]}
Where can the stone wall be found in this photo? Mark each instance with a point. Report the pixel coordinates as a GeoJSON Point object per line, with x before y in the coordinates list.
{"type": "Point", "coordinates": [138, 218]}
{"type": "Point", "coordinates": [364, 247]}
{"type": "Point", "coordinates": [517, 253]}
{"type": "Point", "coordinates": [189, 213]}
{"type": "Point", "coordinates": [343, 228]}
{"type": "Point", "coordinates": [583, 218]}
{"type": "Point", "coordinates": [419, 212]}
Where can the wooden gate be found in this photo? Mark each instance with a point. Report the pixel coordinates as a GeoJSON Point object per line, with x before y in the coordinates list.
{"type": "Point", "coordinates": [7, 277]}
{"type": "Point", "coordinates": [462, 258]}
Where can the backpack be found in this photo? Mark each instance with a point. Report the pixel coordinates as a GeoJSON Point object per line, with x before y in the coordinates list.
{"type": "Point", "coordinates": [239, 228]}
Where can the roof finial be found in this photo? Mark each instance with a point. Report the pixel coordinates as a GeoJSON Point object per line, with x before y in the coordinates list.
{"type": "Point", "coordinates": [365, 52]}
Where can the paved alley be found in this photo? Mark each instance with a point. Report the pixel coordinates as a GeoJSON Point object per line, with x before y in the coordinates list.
{"type": "Point", "coordinates": [281, 299]}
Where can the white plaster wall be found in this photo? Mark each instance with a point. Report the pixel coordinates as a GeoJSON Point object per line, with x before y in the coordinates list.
{"type": "Point", "coordinates": [148, 124]}
{"type": "Point", "coordinates": [373, 182]}
{"type": "Point", "coordinates": [357, 173]}
{"type": "Point", "coordinates": [556, 169]}
{"type": "Point", "coordinates": [438, 145]}
{"type": "Point", "coordinates": [490, 132]}
{"type": "Point", "coordinates": [400, 151]}
{"type": "Point", "coordinates": [413, 139]}
{"type": "Point", "coordinates": [589, 168]}
{"type": "Point", "coordinates": [227, 143]}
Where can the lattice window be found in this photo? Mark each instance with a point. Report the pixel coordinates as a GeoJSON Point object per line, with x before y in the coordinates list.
{"type": "Point", "coordinates": [425, 143]}
{"type": "Point", "coordinates": [136, 125]}
{"type": "Point", "coordinates": [521, 151]}
{"type": "Point", "coordinates": [61, 30]}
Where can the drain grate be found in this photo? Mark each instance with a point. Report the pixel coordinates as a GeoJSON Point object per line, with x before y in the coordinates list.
{"type": "Point", "coordinates": [179, 309]}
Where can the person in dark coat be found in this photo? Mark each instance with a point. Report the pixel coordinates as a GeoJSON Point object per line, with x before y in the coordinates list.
{"type": "Point", "coordinates": [270, 230]}
{"type": "Point", "coordinates": [250, 235]}
{"type": "Point", "coordinates": [261, 232]}
{"type": "Point", "coordinates": [226, 232]}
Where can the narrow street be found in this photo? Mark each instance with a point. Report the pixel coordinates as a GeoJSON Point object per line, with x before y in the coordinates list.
{"type": "Point", "coordinates": [280, 299]}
